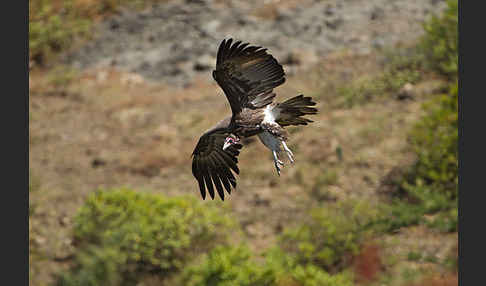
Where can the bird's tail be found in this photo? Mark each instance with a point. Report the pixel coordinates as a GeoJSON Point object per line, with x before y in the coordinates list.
{"type": "Point", "coordinates": [290, 112]}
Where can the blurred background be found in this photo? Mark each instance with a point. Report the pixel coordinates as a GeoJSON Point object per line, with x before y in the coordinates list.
{"type": "Point", "coordinates": [121, 91]}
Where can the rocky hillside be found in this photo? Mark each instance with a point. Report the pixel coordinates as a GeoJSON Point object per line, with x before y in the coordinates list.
{"type": "Point", "coordinates": [173, 42]}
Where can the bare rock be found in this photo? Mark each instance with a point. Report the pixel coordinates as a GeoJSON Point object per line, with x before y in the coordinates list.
{"type": "Point", "coordinates": [377, 14]}
{"type": "Point", "coordinates": [406, 92]}
{"type": "Point", "coordinates": [333, 24]}
{"type": "Point", "coordinates": [97, 162]}
{"type": "Point", "coordinates": [157, 41]}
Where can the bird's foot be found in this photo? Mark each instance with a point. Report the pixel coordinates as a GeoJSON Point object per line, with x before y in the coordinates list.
{"type": "Point", "coordinates": [289, 152]}
{"type": "Point", "coordinates": [278, 164]}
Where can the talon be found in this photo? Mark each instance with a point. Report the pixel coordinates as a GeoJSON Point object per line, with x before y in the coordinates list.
{"type": "Point", "coordinates": [289, 152]}
{"type": "Point", "coordinates": [291, 157]}
{"type": "Point", "coordinates": [277, 162]}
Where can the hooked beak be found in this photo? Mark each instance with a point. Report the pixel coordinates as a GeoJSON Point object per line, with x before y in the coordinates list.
{"type": "Point", "coordinates": [226, 145]}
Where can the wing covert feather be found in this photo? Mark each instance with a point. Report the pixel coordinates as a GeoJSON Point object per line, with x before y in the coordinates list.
{"type": "Point", "coordinates": [246, 73]}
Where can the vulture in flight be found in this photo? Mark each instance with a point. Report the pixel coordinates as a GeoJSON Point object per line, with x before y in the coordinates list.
{"type": "Point", "coordinates": [247, 75]}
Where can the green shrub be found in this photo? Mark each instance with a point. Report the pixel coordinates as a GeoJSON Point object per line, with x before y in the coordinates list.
{"type": "Point", "coordinates": [311, 275]}
{"type": "Point", "coordinates": [414, 256]}
{"type": "Point", "coordinates": [430, 185]}
{"type": "Point", "coordinates": [332, 236]}
{"type": "Point", "coordinates": [53, 25]}
{"type": "Point", "coordinates": [122, 235]}
{"type": "Point", "coordinates": [447, 219]}
{"type": "Point", "coordinates": [383, 84]}
{"type": "Point", "coordinates": [440, 43]}
{"type": "Point", "coordinates": [398, 214]}
{"type": "Point", "coordinates": [99, 265]}
{"type": "Point", "coordinates": [432, 182]}
{"type": "Point", "coordinates": [225, 266]}
{"type": "Point", "coordinates": [435, 141]}
{"type": "Point", "coordinates": [288, 272]}
{"type": "Point", "coordinates": [433, 179]}
{"type": "Point", "coordinates": [237, 266]}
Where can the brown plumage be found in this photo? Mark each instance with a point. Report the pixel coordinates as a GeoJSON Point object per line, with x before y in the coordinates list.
{"type": "Point", "coordinates": [247, 75]}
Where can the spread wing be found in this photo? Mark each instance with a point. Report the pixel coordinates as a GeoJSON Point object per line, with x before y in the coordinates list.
{"type": "Point", "coordinates": [247, 74]}
{"type": "Point", "coordinates": [211, 164]}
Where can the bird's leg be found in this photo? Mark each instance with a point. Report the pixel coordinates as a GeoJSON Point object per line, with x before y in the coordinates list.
{"type": "Point", "coordinates": [289, 153]}
{"type": "Point", "coordinates": [277, 162]}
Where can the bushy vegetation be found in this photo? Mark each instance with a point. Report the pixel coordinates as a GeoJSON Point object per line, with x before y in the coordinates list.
{"type": "Point", "coordinates": [440, 45]}
{"type": "Point", "coordinates": [432, 181]}
{"type": "Point", "coordinates": [435, 141]}
{"type": "Point", "coordinates": [52, 27]}
{"type": "Point", "coordinates": [431, 184]}
{"type": "Point", "coordinates": [332, 236]}
{"type": "Point", "coordinates": [386, 83]}
{"type": "Point", "coordinates": [123, 235]}
{"type": "Point", "coordinates": [55, 24]}
{"type": "Point", "coordinates": [238, 266]}
{"type": "Point", "coordinates": [310, 275]}
{"type": "Point", "coordinates": [400, 213]}
{"type": "Point", "coordinates": [225, 266]}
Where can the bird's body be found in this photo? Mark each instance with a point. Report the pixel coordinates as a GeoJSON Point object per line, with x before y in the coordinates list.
{"type": "Point", "coordinates": [247, 75]}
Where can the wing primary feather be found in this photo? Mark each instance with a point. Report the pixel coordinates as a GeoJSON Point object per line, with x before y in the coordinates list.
{"type": "Point", "coordinates": [241, 48]}
{"type": "Point", "coordinates": [223, 171]}
{"type": "Point", "coordinates": [234, 48]}
{"type": "Point", "coordinates": [209, 183]}
{"type": "Point", "coordinates": [219, 56]}
{"type": "Point", "coordinates": [224, 180]}
{"type": "Point", "coordinates": [217, 183]}
{"type": "Point", "coordinates": [194, 167]}
{"type": "Point", "coordinates": [229, 179]}
{"type": "Point", "coordinates": [214, 167]}
{"type": "Point", "coordinates": [226, 49]}
{"type": "Point", "coordinates": [202, 189]}
{"type": "Point", "coordinates": [197, 173]}
{"type": "Point", "coordinates": [251, 49]}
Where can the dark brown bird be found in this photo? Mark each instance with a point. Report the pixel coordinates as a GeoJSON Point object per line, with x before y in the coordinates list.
{"type": "Point", "coordinates": [247, 74]}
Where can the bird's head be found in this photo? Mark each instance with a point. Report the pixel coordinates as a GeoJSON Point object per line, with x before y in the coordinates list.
{"type": "Point", "coordinates": [230, 140]}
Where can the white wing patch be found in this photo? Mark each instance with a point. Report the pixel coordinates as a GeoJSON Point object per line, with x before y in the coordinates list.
{"type": "Point", "coordinates": [271, 114]}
